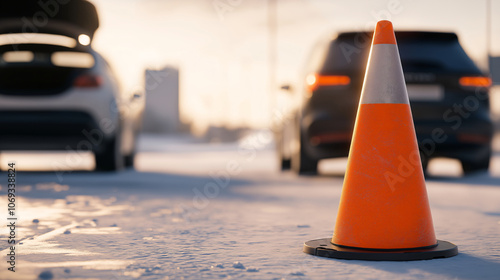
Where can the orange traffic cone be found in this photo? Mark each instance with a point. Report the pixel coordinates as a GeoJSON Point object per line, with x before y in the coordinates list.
{"type": "Point", "coordinates": [384, 211]}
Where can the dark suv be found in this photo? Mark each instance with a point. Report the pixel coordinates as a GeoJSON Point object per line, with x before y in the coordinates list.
{"type": "Point", "coordinates": [447, 91]}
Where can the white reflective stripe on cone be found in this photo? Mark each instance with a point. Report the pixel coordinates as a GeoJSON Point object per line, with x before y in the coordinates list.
{"type": "Point", "coordinates": [384, 79]}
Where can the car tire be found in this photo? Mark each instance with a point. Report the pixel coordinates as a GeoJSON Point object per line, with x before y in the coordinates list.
{"type": "Point", "coordinates": [285, 163]}
{"type": "Point", "coordinates": [129, 160]}
{"type": "Point", "coordinates": [110, 158]}
{"type": "Point", "coordinates": [425, 163]}
{"type": "Point", "coordinates": [302, 163]}
{"type": "Point", "coordinates": [471, 167]}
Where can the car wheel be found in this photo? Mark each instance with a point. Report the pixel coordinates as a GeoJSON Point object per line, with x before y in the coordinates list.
{"type": "Point", "coordinates": [425, 162]}
{"type": "Point", "coordinates": [129, 160]}
{"type": "Point", "coordinates": [285, 163]}
{"type": "Point", "coordinates": [302, 163]}
{"type": "Point", "coordinates": [471, 167]}
{"type": "Point", "coordinates": [110, 158]}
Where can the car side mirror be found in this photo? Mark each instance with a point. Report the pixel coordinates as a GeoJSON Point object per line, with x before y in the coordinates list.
{"type": "Point", "coordinates": [287, 87]}
{"type": "Point", "coordinates": [136, 96]}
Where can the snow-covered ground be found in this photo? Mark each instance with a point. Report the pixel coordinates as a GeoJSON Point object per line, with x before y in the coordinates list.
{"type": "Point", "coordinates": [217, 211]}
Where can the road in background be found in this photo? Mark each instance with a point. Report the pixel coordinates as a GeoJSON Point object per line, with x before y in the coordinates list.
{"type": "Point", "coordinates": [220, 211]}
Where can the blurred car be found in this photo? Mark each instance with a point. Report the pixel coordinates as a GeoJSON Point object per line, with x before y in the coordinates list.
{"type": "Point", "coordinates": [447, 91]}
{"type": "Point", "coordinates": [56, 92]}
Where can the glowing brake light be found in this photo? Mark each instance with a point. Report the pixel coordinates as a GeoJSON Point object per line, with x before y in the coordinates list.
{"type": "Point", "coordinates": [88, 81]}
{"type": "Point", "coordinates": [475, 81]}
{"type": "Point", "coordinates": [314, 81]}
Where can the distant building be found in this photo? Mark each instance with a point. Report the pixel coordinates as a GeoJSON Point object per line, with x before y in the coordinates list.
{"type": "Point", "coordinates": [495, 69]}
{"type": "Point", "coordinates": [162, 101]}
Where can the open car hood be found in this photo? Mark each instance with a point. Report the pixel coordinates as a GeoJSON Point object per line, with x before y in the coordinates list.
{"type": "Point", "coordinates": [61, 17]}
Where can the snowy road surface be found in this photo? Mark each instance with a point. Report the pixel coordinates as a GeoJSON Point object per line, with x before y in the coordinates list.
{"type": "Point", "coordinates": [220, 211]}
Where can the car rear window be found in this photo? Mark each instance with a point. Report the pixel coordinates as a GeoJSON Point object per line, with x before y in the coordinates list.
{"type": "Point", "coordinates": [347, 54]}
{"type": "Point", "coordinates": [73, 59]}
{"type": "Point", "coordinates": [31, 69]}
{"type": "Point", "coordinates": [419, 51]}
{"type": "Point", "coordinates": [427, 55]}
{"type": "Point", "coordinates": [59, 59]}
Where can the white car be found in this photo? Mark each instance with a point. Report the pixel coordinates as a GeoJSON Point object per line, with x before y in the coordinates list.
{"type": "Point", "coordinates": [56, 92]}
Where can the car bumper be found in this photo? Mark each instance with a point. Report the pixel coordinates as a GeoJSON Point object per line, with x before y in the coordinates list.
{"type": "Point", "coordinates": [100, 104]}
{"type": "Point", "coordinates": [326, 136]}
{"type": "Point", "coordinates": [470, 141]}
{"type": "Point", "coordinates": [329, 137]}
{"type": "Point", "coordinates": [50, 130]}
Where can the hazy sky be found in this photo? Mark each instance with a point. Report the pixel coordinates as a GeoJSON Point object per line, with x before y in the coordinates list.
{"type": "Point", "coordinates": [221, 46]}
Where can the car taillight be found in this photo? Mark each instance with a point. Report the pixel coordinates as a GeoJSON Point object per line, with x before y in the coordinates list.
{"type": "Point", "coordinates": [475, 81]}
{"type": "Point", "coordinates": [314, 81]}
{"type": "Point", "coordinates": [88, 81]}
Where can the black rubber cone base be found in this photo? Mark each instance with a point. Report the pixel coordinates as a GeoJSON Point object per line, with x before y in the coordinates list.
{"type": "Point", "coordinates": [324, 248]}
